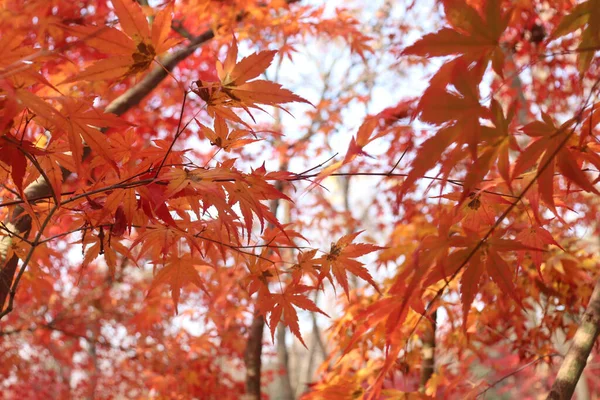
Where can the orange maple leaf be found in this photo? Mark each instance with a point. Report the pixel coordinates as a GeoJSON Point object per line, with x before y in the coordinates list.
{"type": "Point", "coordinates": [79, 120]}
{"type": "Point", "coordinates": [12, 153]}
{"type": "Point", "coordinates": [101, 245]}
{"type": "Point", "coordinates": [475, 37]}
{"type": "Point", "coordinates": [499, 143]}
{"type": "Point", "coordinates": [178, 272]}
{"type": "Point", "coordinates": [536, 237]}
{"type": "Point", "coordinates": [236, 89]}
{"type": "Point", "coordinates": [223, 138]}
{"type": "Point", "coordinates": [481, 258]}
{"type": "Point", "coordinates": [459, 112]}
{"type": "Point", "coordinates": [283, 308]}
{"type": "Point", "coordinates": [341, 259]}
{"type": "Point", "coordinates": [363, 137]}
{"type": "Point", "coordinates": [306, 265]}
{"type": "Point", "coordinates": [586, 13]}
{"type": "Point", "coordinates": [131, 52]}
{"type": "Point", "coordinates": [550, 148]}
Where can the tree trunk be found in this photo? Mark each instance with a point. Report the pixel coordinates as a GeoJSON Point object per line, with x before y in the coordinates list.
{"type": "Point", "coordinates": [317, 344]}
{"type": "Point", "coordinates": [576, 358]}
{"type": "Point", "coordinates": [428, 363]}
{"type": "Point", "coordinates": [252, 357]}
{"type": "Point", "coordinates": [287, 393]}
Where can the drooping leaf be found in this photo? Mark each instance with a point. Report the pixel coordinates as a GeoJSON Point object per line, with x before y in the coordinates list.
{"type": "Point", "coordinates": [285, 311]}
{"type": "Point", "coordinates": [586, 15]}
{"type": "Point", "coordinates": [475, 36]}
{"type": "Point", "coordinates": [178, 272]}
{"type": "Point", "coordinates": [550, 149]}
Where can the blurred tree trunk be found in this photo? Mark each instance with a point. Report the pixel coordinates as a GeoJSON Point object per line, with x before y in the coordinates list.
{"type": "Point", "coordinates": [252, 357]}
{"type": "Point", "coordinates": [285, 381]}
{"type": "Point", "coordinates": [286, 393]}
{"type": "Point", "coordinates": [581, 347]}
{"type": "Point", "coordinates": [428, 363]}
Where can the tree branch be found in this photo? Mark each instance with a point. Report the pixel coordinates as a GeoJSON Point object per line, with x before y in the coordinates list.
{"type": "Point", "coordinates": [20, 221]}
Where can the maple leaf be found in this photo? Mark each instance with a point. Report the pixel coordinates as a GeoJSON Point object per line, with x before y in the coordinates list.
{"type": "Point", "coordinates": [584, 13]}
{"type": "Point", "coordinates": [225, 187]}
{"type": "Point", "coordinates": [223, 138]}
{"type": "Point", "coordinates": [549, 146]}
{"type": "Point", "coordinates": [79, 120]}
{"type": "Point", "coordinates": [132, 52]}
{"type": "Point", "coordinates": [283, 309]}
{"type": "Point", "coordinates": [479, 210]}
{"type": "Point", "coordinates": [475, 37]}
{"type": "Point", "coordinates": [261, 270]}
{"type": "Point", "coordinates": [12, 154]}
{"type": "Point", "coordinates": [500, 142]}
{"type": "Point", "coordinates": [338, 388]}
{"type": "Point", "coordinates": [178, 271]}
{"type": "Point", "coordinates": [535, 237]}
{"type": "Point", "coordinates": [432, 254]}
{"type": "Point", "coordinates": [235, 88]}
{"type": "Point", "coordinates": [457, 110]}
{"type": "Point", "coordinates": [101, 245]}
{"type": "Point", "coordinates": [306, 264]}
{"type": "Point", "coordinates": [52, 162]}
{"type": "Point", "coordinates": [485, 258]}
{"type": "Point", "coordinates": [363, 137]}
{"type": "Point", "coordinates": [160, 239]}
{"type": "Point", "coordinates": [391, 115]}
{"type": "Point", "coordinates": [341, 259]}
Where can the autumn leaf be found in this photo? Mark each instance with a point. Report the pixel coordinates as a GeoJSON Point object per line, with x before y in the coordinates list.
{"type": "Point", "coordinates": [237, 89]}
{"type": "Point", "coordinates": [12, 154]}
{"type": "Point", "coordinates": [306, 265]}
{"type": "Point", "coordinates": [469, 284]}
{"type": "Point", "coordinates": [79, 120]}
{"type": "Point", "coordinates": [550, 147]}
{"type": "Point", "coordinates": [477, 259]}
{"type": "Point", "coordinates": [499, 144]}
{"type": "Point", "coordinates": [430, 255]}
{"type": "Point", "coordinates": [284, 311]}
{"type": "Point", "coordinates": [235, 73]}
{"type": "Point", "coordinates": [223, 138]}
{"type": "Point", "coordinates": [178, 272]}
{"type": "Point", "coordinates": [476, 37]}
{"type": "Point", "coordinates": [102, 245]}
{"type": "Point", "coordinates": [341, 259]}
{"type": "Point", "coordinates": [535, 237]}
{"type": "Point", "coordinates": [457, 110]}
{"type": "Point", "coordinates": [584, 15]}
{"type": "Point", "coordinates": [363, 137]}
{"type": "Point", "coordinates": [132, 52]}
